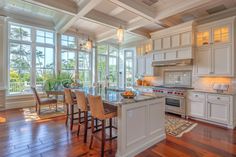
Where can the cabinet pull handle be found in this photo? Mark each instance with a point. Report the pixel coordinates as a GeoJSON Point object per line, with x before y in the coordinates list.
{"type": "Point", "coordinates": [196, 95]}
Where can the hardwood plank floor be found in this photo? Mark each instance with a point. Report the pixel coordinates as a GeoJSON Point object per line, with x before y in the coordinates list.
{"type": "Point", "coordinates": [50, 137]}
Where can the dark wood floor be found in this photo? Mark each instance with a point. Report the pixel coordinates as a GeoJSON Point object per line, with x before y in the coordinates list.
{"type": "Point", "coordinates": [50, 138]}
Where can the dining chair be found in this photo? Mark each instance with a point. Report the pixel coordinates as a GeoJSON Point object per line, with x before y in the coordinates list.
{"type": "Point", "coordinates": [83, 108]}
{"type": "Point", "coordinates": [70, 103]}
{"type": "Point", "coordinates": [42, 101]}
{"type": "Point", "coordinates": [102, 112]}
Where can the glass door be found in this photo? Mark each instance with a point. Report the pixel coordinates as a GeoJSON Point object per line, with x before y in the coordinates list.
{"type": "Point", "coordinates": [129, 68]}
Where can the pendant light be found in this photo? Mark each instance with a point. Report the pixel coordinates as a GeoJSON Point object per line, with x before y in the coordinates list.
{"type": "Point", "coordinates": [89, 44]}
{"type": "Point", "coordinates": [120, 34]}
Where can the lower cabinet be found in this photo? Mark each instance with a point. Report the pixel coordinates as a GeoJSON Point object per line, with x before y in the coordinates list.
{"type": "Point", "coordinates": [218, 112]}
{"type": "Point", "coordinates": [214, 108]}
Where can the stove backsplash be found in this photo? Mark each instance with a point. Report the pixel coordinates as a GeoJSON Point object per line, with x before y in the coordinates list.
{"type": "Point", "coordinates": [178, 78]}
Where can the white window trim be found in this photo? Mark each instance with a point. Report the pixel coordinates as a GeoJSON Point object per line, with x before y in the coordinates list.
{"type": "Point", "coordinates": [33, 45]}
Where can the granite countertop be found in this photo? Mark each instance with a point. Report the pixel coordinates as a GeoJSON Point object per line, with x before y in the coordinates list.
{"type": "Point", "coordinates": [114, 97]}
{"type": "Point", "coordinates": [213, 91]}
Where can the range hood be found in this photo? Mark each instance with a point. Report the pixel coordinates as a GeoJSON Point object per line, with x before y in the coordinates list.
{"type": "Point", "coordinates": [177, 62]}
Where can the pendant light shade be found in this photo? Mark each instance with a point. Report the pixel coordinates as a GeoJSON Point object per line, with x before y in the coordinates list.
{"type": "Point", "coordinates": [120, 34]}
{"type": "Point", "coordinates": [89, 45]}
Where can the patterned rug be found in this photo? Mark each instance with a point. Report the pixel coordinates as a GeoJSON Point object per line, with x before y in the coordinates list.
{"type": "Point", "coordinates": [177, 126]}
{"type": "Point", "coordinates": [46, 112]}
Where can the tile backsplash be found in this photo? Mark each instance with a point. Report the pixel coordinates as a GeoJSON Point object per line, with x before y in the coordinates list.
{"type": "Point", "coordinates": [178, 78]}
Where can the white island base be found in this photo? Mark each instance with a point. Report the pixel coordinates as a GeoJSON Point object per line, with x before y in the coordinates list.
{"type": "Point", "coordinates": [140, 125]}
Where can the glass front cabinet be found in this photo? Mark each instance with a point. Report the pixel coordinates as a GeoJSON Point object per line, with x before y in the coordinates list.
{"type": "Point", "coordinates": [214, 48]}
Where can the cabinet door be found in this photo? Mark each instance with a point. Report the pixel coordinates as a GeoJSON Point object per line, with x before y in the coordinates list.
{"type": "Point", "coordinates": [203, 61]}
{"type": "Point", "coordinates": [140, 65]}
{"type": "Point", "coordinates": [222, 34]}
{"type": "Point", "coordinates": [203, 38]}
{"type": "Point", "coordinates": [159, 56]}
{"type": "Point", "coordinates": [222, 59]}
{"type": "Point", "coordinates": [218, 112]}
{"type": "Point", "coordinates": [148, 64]}
{"type": "Point", "coordinates": [166, 43]}
{"type": "Point", "coordinates": [175, 41]}
{"type": "Point", "coordinates": [184, 53]}
{"type": "Point", "coordinates": [171, 55]}
{"type": "Point", "coordinates": [186, 39]}
{"type": "Point", "coordinates": [197, 109]}
{"type": "Point", "coordinates": [158, 44]}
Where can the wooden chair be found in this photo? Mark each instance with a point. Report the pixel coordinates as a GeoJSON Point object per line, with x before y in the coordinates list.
{"type": "Point", "coordinates": [70, 101]}
{"type": "Point", "coordinates": [83, 108]}
{"type": "Point", "coordinates": [42, 101]}
{"type": "Point", "coordinates": [102, 112]}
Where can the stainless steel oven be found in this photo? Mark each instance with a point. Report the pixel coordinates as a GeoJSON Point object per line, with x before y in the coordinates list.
{"type": "Point", "coordinates": [175, 104]}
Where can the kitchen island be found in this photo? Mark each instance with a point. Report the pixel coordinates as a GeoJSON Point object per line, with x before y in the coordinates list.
{"type": "Point", "coordinates": [140, 120]}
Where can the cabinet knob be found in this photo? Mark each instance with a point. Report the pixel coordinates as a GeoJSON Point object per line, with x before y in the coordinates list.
{"type": "Point", "coordinates": [218, 98]}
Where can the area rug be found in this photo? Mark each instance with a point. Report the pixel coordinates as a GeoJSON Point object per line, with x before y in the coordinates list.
{"type": "Point", "coordinates": [177, 126]}
{"type": "Point", "coordinates": [46, 112]}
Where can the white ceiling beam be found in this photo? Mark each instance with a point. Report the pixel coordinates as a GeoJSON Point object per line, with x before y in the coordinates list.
{"type": "Point", "coordinates": [137, 8]}
{"type": "Point", "coordinates": [106, 35]}
{"type": "Point", "coordinates": [137, 24]}
{"type": "Point", "coordinates": [180, 8]}
{"type": "Point", "coordinates": [84, 7]}
{"type": "Point", "coordinates": [27, 19]}
{"type": "Point", "coordinates": [140, 33]}
{"type": "Point", "coordinates": [104, 19]}
{"type": "Point", "coordinates": [65, 6]}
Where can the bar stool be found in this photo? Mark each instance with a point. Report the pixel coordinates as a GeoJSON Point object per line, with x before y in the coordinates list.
{"type": "Point", "coordinates": [83, 108]}
{"type": "Point", "coordinates": [69, 101]}
{"type": "Point", "coordinates": [102, 112]}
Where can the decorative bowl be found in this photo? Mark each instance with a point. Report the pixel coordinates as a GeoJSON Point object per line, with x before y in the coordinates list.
{"type": "Point", "coordinates": [128, 96]}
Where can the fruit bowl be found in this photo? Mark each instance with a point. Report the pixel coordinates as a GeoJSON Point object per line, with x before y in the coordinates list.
{"type": "Point", "coordinates": [128, 94]}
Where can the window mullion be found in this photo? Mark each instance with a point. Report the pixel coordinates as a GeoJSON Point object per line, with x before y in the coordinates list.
{"type": "Point", "coordinates": [33, 56]}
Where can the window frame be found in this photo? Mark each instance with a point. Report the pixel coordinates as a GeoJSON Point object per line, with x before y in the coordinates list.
{"type": "Point", "coordinates": [33, 44]}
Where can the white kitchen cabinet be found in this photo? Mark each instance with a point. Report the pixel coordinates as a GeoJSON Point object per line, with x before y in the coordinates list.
{"type": "Point", "coordinates": [140, 64]}
{"type": "Point", "coordinates": [171, 55]}
{"type": "Point", "coordinates": [214, 108]}
{"type": "Point", "coordinates": [197, 105]}
{"type": "Point", "coordinates": [186, 38]}
{"type": "Point", "coordinates": [159, 56]}
{"type": "Point", "coordinates": [203, 61]}
{"type": "Point", "coordinates": [184, 53]}
{"type": "Point", "coordinates": [222, 59]}
{"type": "Point", "coordinates": [214, 53]}
{"type": "Point", "coordinates": [158, 44]}
{"type": "Point", "coordinates": [144, 65]}
{"type": "Point", "coordinates": [166, 42]}
{"type": "Point", "coordinates": [175, 41]}
{"type": "Point", "coordinates": [148, 64]}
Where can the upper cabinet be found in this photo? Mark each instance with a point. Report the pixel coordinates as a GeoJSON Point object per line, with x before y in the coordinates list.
{"type": "Point", "coordinates": [144, 65]}
{"type": "Point", "coordinates": [173, 43]}
{"type": "Point", "coordinates": [215, 44]}
{"type": "Point", "coordinates": [144, 47]}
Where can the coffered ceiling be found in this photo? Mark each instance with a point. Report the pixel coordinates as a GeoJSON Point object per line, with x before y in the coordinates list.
{"type": "Point", "coordinates": [101, 18]}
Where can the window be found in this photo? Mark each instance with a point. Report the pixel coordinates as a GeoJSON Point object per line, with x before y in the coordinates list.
{"type": "Point", "coordinates": [44, 37]}
{"type": "Point", "coordinates": [68, 61]}
{"type": "Point", "coordinates": [44, 65]}
{"type": "Point", "coordinates": [29, 65]}
{"type": "Point", "coordinates": [129, 69]}
{"type": "Point", "coordinates": [68, 41]}
{"type": "Point", "coordinates": [75, 61]}
{"type": "Point", "coordinates": [85, 68]}
{"type": "Point", "coordinates": [107, 65]}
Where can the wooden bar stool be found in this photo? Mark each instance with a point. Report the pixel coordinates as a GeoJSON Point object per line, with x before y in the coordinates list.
{"type": "Point", "coordinates": [70, 101]}
{"type": "Point", "coordinates": [102, 112]}
{"type": "Point", "coordinates": [83, 108]}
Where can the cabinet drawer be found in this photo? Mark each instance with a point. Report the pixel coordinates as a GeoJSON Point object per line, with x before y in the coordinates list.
{"type": "Point", "coordinates": [218, 99]}
{"type": "Point", "coordinates": [197, 96]}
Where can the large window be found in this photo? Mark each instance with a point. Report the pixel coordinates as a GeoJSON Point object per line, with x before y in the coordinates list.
{"type": "Point", "coordinates": [31, 58]}
{"type": "Point", "coordinates": [107, 65]}
{"type": "Point", "coordinates": [75, 61]}
{"type": "Point", "coordinates": [129, 68]}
